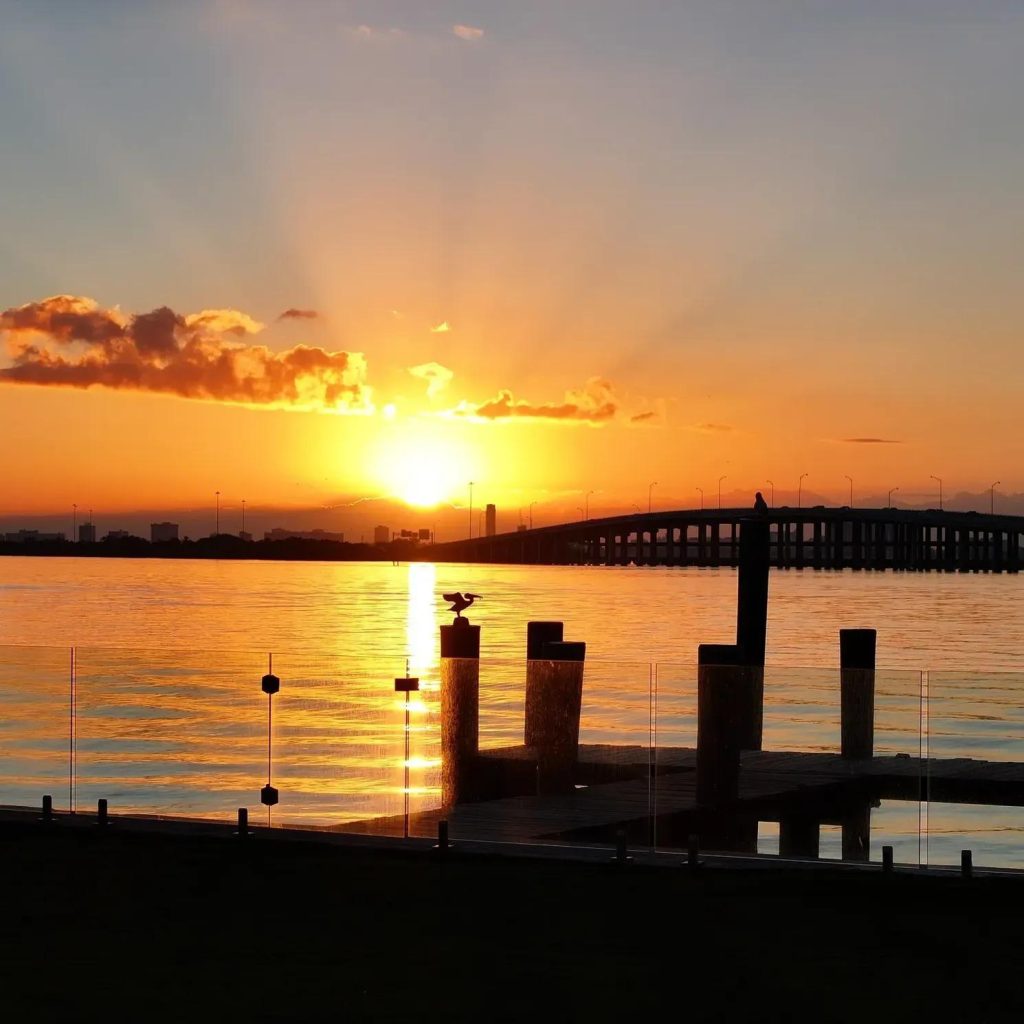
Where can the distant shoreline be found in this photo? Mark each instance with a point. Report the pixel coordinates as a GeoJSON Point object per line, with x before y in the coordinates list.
{"type": "Point", "coordinates": [225, 546]}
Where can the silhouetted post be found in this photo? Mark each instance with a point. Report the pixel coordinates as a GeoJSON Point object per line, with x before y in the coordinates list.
{"type": "Point", "coordinates": [537, 635]}
{"type": "Point", "coordinates": [798, 836]}
{"type": "Point", "coordinates": [720, 693]}
{"type": "Point", "coordinates": [856, 825]}
{"type": "Point", "coordinates": [887, 861]}
{"type": "Point", "coordinates": [693, 852]}
{"type": "Point", "coordinates": [442, 837]}
{"type": "Point", "coordinates": [243, 822]}
{"type": "Point", "coordinates": [47, 809]}
{"type": "Point", "coordinates": [752, 624]}
{"type": "Point", "coordinates": [621, 850]}
{"type": "Point", "coordinates": [101, 812]}
{"type": "Point", "coordinates": [857, 691]}
{"type": "Point", "coordinates": [556, 720]}
{"type": "Point", "coordinates": [460, 710]}
{"type": "Point", "coordinates": [966, 865]}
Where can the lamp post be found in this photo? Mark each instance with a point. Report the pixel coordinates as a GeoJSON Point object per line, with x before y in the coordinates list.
{"type": "Point", "coordinates": [771, 484]}
{"type": "Point", "coordinates": [720, 479]}
{"type": "Point", "coordinates": [74, 523]}
{"type": "Point", "coordinates": [701, 489]}
{"type": "Point", "coordinates": [532, 503]}
{"type": "Point", "coordinates": [586, 504]}
{"type": "Point", "coordinates": [939, 479]}
{"type": "Point", "coordinates": [579, 508]}
{"type": "Point", "coordinates": [992, 497]}
{"type": "Point", "coordinates": [470, 509]}
{"type": "Point", "coordinates": [800, 489]}
{"type": "Point", "coordinates": [243, 515]}
{"type": "Point", "coordinates": [850, 478]}
{"type": "Point", "coordinates": [217, 528]}
{"type": "Point", "coordinates": [650, 488]}
{"type": "Point", "coordinates": [891, 491]}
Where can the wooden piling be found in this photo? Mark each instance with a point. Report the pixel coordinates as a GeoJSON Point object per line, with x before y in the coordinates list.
{"type": "Point", "coordinates": [856, 826]}
{"type": "Point", "coordinates": [857, 691]}
{"type": "Point", "coordinates": [555, 727]}
{"type": "Point", "coordinates": [537, 635]}
{"type": "Point", "coordinates": [460, 711]}
{"type": "Point", "coordinates": [799, 836]}
{"type": "Point", "coordinates": [720, 694]}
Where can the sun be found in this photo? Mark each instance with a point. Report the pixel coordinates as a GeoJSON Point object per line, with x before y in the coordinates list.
{"type": "Point", "coordinates": [422, 470]}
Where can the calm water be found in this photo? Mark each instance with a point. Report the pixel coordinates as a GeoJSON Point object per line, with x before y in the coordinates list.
{"type": "Point", "coordinates": [170, 718]}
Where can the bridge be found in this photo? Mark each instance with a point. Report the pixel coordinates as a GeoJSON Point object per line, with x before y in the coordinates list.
{"type": "Point", "coordinates": [813, 538]}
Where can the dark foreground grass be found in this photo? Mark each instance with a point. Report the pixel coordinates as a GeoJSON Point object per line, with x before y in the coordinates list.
{"type": "Point", "coordinates": [118, 926]}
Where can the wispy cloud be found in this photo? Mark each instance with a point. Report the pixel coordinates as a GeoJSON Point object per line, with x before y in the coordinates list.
{"type": "Point", "coordinates": [441, 328]}
{"type": "Point", "coordinates": [70, 341]}
{"type": "Point", "coordinates": [594, 403]}
{"type": "Point", "coordinates": [299, 314]}
{"type": "Point", "coordinates": [642, 417]}
{"type": "Point", "coordinates": [470, 33]}
{"type": "Point", "coordinates": [714, 428]}
{"type": "Point", "coordinates": [437, 377]}
{"type": "Point", "coordinates": [869, 440]}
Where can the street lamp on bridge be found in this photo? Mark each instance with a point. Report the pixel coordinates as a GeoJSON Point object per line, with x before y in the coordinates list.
{"type": "Point", "coordinates": [470, 509]}
{"type": "Point", "coordinates": [939, 479]}
{"type": "Point", "coordinates": [579, 508]}
{"type": "Point", "coordinates": [720, 479]}
{"type": "Point", "coordinates": [800, 489]}
{"type": "Point", "coordinates": [532, 503]}
{"type": "Point", "coordinates": [850, 478]}
{"type": "Point", "coordinates": [892, 490]}
{"type": "Point", "coordinates": [650, 487]}
{"type": "Point", "coordinates": [771, 484]}
{"type": "Point", "coordinates": [701, 489]}
{"type": "Point", "coordinates": [992, 497]}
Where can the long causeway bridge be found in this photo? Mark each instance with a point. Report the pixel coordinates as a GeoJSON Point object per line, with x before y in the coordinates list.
{"type": "Point", "coordinates": [813, 538]}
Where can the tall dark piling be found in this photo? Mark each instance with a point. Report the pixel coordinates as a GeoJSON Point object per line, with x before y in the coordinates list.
{"type": "Point", "coordinates": [752, 624]}
{"type": "Point", "coordinates": [460, 710]}
{"type": "Point", "coordinates": [556, 721]}
{"type": "Point", "coordinates": [721, 692]}
{"type": "Point", "coordinates": [857, 691]}
{"type": "Point", "coordinates": [537, 635]}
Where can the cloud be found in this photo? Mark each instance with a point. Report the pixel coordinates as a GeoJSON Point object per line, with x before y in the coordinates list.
{"type": "Point", "coordinates": [224, 321]}
{"type": "Point", "coordinates": [869, 440]}
{"type": "Point", "coordinates": [299, 314]}
{"type": "Point", "coordinates": [441, 328]}
{"type": "Point", "coordinates": [713, 428]}
{"type": "Point", "coordinates": [437, 377]}
{"type": "Point", "coordinates": [468, 32]}
{"type": "Point", "coordinates": [69, 341]}
{"type": "Point", "coordinates": [642, 417]}
{"type": "Point", "coordinates": [594, 403]}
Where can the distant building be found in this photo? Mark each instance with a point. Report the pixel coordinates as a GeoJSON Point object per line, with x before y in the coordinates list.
{"type": "Point", "coordinates": [245, 536]}
{"type": "Point", "coordinates": [31, 537]}
{"type": "Point", "coordinates": [381, 534]}
{"type": "Point", "coordinates": [279, 534]}
{"type": "Point", "coordinates": [161, 532]}
{"type": "Point", "coordinates": [521, 528]}
{"type": "Point", "coordinates": [425, 536]}
{"type": "Point", "coordinates": [87, 533]}
{"type": "Point", "coordinates": [490, 521]}
{"type": "Point", "coordinates": [117, 535]}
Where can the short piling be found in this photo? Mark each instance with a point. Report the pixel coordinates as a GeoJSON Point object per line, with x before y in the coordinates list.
{"type": "Point", "coordinates": [556, 722]}
{"type": "Point", "coordinates": [720, 694]}
{"type": "Point", "coordinates": [442, 838]}
{"type": "Point", "coordinates": [966, 863]}
{"type": "Point", "coordinates": [460, 711]}
{"type": "Point", "coordinates": [887, 860]}
{"type": "Point", "coordinates": [243, 823]}
{"type": "Point", "coordinates": [857, 692]}
{"type": "Point", "coordinates": [47, 809]}
{"type": "Point", "coordinates": [101, 812]}
{"type": "Point", "coordinates": [537, 635]}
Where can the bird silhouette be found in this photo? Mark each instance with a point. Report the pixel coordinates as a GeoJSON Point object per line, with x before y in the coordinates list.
{"type": "Point", "coordinates": [460, 602]}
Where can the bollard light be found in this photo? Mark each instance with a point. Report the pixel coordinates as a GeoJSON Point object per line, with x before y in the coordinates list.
{"type": "Point", "coordinates": [443, 845]}
{"type": "Point", "coordinates": [621, 850]}
{"type": "Point", "coordinates": [243, 823]}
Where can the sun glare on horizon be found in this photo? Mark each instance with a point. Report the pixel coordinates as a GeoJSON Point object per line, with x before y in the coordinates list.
{"type": "Point", "coordinates": [422, 471]}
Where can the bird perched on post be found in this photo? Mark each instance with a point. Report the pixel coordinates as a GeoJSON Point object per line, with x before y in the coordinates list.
{"type": "Point", "coordinates": [460, 602]}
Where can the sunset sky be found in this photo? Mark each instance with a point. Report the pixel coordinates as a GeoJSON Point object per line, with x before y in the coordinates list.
{"type": "Point", "coordinates": [315, 253]}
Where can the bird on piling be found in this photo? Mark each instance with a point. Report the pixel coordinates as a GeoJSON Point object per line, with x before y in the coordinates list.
{"type": "Point", "coordinates": [460, 602]}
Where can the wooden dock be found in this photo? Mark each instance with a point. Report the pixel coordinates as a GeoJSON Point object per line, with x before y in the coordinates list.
{"type": "Point", "coordinates": [624, 788]}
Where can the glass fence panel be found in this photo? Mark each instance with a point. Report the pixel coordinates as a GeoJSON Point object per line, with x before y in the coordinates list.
{"type": "Point", "coordinates": [974, 782]}
{"type": "Point", "coordinates": [339, 746]}
{"type": "Point", "coordinates": [35, 725]}
{"type": "Point", "coordinates": [564, 754]}
{"type": "Point", "coordinates": [170, 732]}
{"type": "Point", "coordinates": [796, 795]}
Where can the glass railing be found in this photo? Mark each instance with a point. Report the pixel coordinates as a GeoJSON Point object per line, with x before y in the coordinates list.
{"type": "Point", "coordinates": [194, 734]}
